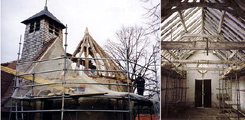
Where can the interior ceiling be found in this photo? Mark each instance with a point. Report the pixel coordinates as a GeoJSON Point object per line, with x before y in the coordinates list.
{"type": "Point", "coordinates": [190, 20]}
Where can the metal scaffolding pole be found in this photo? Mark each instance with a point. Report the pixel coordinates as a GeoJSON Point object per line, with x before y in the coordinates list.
{"type": "Point", "coordinates": [64, 81]}
{"type": "Point", "coordinates": [127, 68]}
{"type": "Point", "coordinates": [15, 80]}
{"type": "Point", "coordinates": [237, 91]}
{"type": "Point", "coordinates": [238, 97]}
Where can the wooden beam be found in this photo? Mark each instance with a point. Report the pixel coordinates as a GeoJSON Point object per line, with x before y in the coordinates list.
{"type": "Point", "coordinates": [172, 54]}
{"type": "Point", "coordinates": [232, 54]}
{"type": "Point", "coordinates": [86, 53]}
{"type": "Point", "coordinates": [200, 35]}
{"type": "Point", "coordinates": [221, 21]}
{"type": "Point", "coordinates": [220, 54]}
{"type": "Point", "coordinates": [201, 45]}
{"type": "Point", "coordinates": [201, 61]}
{"type": "Point", "coordinates": [196, 68]}
{"type": "Point", "coordinates": [203, 15]}
{"type": "Point", "coordinates": [168, 9]}
{"type": "Point", "coordinates": [182, 21]}
{"type": "Point", "coordinates": [165, 28]}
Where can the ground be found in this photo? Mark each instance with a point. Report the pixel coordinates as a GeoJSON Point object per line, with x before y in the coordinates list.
{"type": "Point", "coordinates": [199, 114]}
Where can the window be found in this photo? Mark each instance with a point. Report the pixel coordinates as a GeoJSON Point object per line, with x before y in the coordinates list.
{"type": "Point", "coordinates": [56, 31]}
{"type": "Point", "coordinates": [53, 29]}
{"type": "Point", "coordinates": [34, 26]}
{"type": "Point", "coordinates": [37, 26]}
{"type": "Point", "coordinates": [31, 27]}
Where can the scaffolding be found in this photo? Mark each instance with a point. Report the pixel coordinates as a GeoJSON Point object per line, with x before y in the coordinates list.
{"type": "Point", "coordinates": [229, 92]}
{"type": "Point", "coordinates": [174, 90]}
{"type": "Point", "coordinates": [26, 107]}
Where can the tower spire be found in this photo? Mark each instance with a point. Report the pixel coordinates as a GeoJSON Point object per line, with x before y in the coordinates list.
{"type": "Point", "coordinates": [46, 2]}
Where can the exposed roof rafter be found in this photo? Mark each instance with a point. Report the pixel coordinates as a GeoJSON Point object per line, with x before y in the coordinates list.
{"type": "Point", "coordinates": [182, 21]}
{"type": "Point", "coordinates": [185, 24]}
{"type": "Point", "coordinates": [221, 21]}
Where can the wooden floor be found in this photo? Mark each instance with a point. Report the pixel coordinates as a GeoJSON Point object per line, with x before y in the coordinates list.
{"type": "Point", "coordinates": [197, 114]}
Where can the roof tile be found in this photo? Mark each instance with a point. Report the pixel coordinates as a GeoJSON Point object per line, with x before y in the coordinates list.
{"type": "Point", "coordinates": [44, 13]}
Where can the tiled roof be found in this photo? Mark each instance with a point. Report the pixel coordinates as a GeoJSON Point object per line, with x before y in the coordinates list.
{"type": "Point", "coordinates": [7, 81]}
{"type": "Point", "coordinates": [44, 13]}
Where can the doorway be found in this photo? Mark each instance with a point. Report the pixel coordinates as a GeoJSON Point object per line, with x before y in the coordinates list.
{"type": "Point", "coordinates": [203, 93]}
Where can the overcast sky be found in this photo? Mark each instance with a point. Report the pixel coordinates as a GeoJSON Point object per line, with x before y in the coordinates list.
{"type": "Point", "coordinates": [102, 17]}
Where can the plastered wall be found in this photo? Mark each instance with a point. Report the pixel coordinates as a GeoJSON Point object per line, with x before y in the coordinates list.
{"type": "Point", "coordinates": [192, 75]}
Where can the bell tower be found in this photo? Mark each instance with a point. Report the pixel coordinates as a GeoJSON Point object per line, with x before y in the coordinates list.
{"type": "Point", "coordinates": [40, 29]}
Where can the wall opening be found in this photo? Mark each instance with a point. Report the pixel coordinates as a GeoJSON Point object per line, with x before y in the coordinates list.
{"type": "Point", "coordinates": [203, 93]}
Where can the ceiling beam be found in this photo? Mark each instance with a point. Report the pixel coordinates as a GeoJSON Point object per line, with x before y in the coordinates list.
{"type": "Point", "coordinates": [196, 68]}
{"type": "Point", "coordinates": [221, 21]}
{"type": "Point", "coordinates": [200, 35]}
{"type": "Point", "coordinates": [201, 61]}
{"type": "Point", "coordinates": [182, 21]}
{"type": "Point", "coordinates": [201, 45]}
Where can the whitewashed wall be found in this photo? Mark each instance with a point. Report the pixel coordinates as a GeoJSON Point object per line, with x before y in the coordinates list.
{"type": "Point", "coordinates": [192, 75]}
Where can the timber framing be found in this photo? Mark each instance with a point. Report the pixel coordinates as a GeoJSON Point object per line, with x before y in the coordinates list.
{"type": "Point", "coordinates": [182, 21]}
{"type": "Point", "coordinates": [170, 6]}
{"type": "Point", "coordinates": [201, 61]}
{"type": "Point", "coordinates": [216, 25]}
{"type": "Point", "coordinates": [201, 45]}
{"type": "Point", "coordinates": [88, 47]}
{"type": "Point", "coordinates": [208, 69]}
{"type": "Point", "coordinates": [201, 35]}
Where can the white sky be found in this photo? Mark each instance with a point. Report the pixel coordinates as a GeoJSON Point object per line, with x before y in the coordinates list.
{"type": "Point", "coordinates": [102, 17]}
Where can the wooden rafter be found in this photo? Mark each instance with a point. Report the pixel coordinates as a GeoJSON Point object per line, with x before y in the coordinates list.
{"type": "Point", "coordinates": [89, 48]}
{"type": "Point", "coordinates": [203, 18]}
{"type": "Point", "coordinates": [173, 55]}
{"type": "Point", "coordinates": [234, 52]}
{"type": "Point", "coordinates": [167, 8]}
{"type": "Point", "coordinates": [221, 21]}
{"type": "Point", "coordinates": [220, 54]}
{"type": "Point", "coordinates": [182, 21]}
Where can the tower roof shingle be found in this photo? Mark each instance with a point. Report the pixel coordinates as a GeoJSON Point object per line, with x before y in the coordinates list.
{"type": "Point", "coordinates": [44, 13]}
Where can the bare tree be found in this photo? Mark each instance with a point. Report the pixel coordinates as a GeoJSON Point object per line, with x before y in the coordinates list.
{"type": "Point", "coordinates": [140, 55]}
{"type": "Point", "coordinates": [153, 15]}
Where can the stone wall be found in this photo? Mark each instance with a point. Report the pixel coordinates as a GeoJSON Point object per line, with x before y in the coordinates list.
{"type": "Point", "coordinates": [34, 41]}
